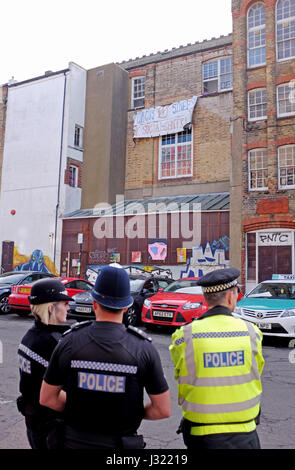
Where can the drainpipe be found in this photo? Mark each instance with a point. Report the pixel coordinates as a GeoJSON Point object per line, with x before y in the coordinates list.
{"type": "Point", "coordinates": [59, 170]}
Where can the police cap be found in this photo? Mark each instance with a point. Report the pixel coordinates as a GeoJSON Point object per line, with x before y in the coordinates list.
{"type": "Point", "coordinates": [112, 288]}
{"type": "Point", "coordinates": [48, 290]}
{"type": "Point", "coordinates": [219, 280]}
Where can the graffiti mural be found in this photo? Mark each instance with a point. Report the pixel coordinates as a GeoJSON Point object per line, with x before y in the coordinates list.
{"type": "Point", "coordinates": [35, 262]}
{"type": "Point", "coordinates": [204, 260]}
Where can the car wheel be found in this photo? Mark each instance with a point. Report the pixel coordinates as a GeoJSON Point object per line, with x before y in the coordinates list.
{"type": "Point", "coordinates": [131, 316]}
{"type": "Point", "coordinates": [4, 305]}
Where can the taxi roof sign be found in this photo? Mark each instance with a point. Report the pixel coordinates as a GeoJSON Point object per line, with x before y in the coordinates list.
{"type": "Point", "coordinates": [283, 276]}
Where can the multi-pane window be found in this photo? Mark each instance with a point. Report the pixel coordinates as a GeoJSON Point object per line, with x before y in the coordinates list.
{"type": "Point", "coordinates": [287, 166]}
{"type": "Point", "coordinates": [258, 169]}
{"type": "Point", "coordinates": [176, 155]}
{"type": "Point", "coordinates": [78, 137]}
{"type": "Point", "coordinates": [256, 35]}
{"type": "Point", "coordinates": [218, 75]}
{"type": "Point", "coordinates": [285, 29]}
{"type": "Point", "coordinates": [257, 104]}
{"type": "Point", "coordinates": [285, 100]}
{"type": "Point", "coordinates": [73, 176]}
{"type": "Point", "coordinates": [138, 92]}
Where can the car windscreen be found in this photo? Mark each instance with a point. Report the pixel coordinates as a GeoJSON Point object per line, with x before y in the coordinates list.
{"type": "Point", "coordinates": [278, 290]}
{"type": "Point", "coordinates": [136, 285]}
{"type": "Point", "coordinates": [184, 287]}
{"type": "Point", "coordinates": [11, 279]}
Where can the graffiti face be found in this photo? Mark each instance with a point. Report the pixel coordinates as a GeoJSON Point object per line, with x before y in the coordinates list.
{"type": "Point", "coordinates": [37, 258]}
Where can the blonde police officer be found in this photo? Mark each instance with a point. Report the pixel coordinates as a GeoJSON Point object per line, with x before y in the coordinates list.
{"type": "Point", "coordinates": [218, 363]}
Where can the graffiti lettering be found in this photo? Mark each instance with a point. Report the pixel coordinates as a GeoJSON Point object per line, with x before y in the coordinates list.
{"type": "Point", "coordinates": [276, 238]}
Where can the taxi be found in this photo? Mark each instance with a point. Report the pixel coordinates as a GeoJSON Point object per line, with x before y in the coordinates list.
{"type": "Point", "coordinates": [271, 306]}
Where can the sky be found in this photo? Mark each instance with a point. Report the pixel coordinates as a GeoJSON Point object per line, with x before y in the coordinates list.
{"type": "Point", "coordinates": [37, 36]}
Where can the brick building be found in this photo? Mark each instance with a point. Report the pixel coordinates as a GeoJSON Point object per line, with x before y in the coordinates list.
{"type": "Point", "coordinates": [178, 148]}
{"type": "Point", "coordinates": [262, 222]}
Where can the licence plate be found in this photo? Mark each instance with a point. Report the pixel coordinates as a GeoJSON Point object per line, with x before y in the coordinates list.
{"type": "Point", "coordinates": [83, 309]}
{"type": "Point", "coordinates": [24, 290]}
{"type": "Point", "coordinates": [264, 326]}
{"type": "Point", "coordinates": [162, 313]}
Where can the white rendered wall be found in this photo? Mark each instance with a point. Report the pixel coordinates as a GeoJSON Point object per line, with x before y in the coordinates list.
{"type": "Point", "coordinates": [30, 172]}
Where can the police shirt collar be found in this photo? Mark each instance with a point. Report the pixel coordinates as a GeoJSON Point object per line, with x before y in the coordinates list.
{"type": "Point", "coordinates": [216, 310]}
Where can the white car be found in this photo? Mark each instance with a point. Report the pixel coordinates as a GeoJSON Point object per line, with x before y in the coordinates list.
{"type": "Point", "coordinates": [271, 305]}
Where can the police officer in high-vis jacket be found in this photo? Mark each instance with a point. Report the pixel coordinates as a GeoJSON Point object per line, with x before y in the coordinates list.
{"type": "Point", "coordinates": [49, 305]}
{"type": "Point", "coordinates": [98, 373]}
{"type": "Point", "coordinates": [218, 362]}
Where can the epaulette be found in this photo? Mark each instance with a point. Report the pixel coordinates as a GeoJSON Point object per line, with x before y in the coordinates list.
{"type": "Point", "coordinates": [138, 332]}
{"type": "Point", "coordinates": [77, 326]}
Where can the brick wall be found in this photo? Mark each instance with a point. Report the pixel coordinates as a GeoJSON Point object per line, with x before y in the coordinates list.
{"type": "Point", "coordinates": [261, 209]}
{"type": "Point", "coordinates": [71, 161]}
{"type": "Point", "coordinates": [169, 81]}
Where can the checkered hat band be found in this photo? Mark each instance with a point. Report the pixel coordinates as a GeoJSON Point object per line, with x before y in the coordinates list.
{"type": "Point", "coordinates": [105, 366]}
{"type": "Point", "coordinates": [219, 287]}
{"type": "Point", "coordinates": [32, 355]}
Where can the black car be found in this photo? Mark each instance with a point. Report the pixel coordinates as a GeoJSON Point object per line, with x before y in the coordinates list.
{"type": "Point", "coordinates": [12, 278]}
{"type": "Point", "coordinates": [142, 286]}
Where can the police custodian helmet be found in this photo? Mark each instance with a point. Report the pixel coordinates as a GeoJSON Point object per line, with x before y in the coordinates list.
{"type": "Point", "coordinates": [219, 280]}
{"type": "Point", "coordinates": [112, 288]}
{"type": "Point", "coordinates": [48, 290]}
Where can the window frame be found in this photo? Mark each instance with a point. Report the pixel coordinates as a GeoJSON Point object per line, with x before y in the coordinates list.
{"type": "Point", "coordinates": [80, 136]}
{"type": "Point", "coordinates": [289, 186]}
{"type": "Point", "coordinates": [76, 175]}
{"type": "Point", "coordinates": [259, 118]}
{"type": "Point", "coordinates": [254, 29]}
{"type": "Point", "coordinates": [176, 176]}
{"type": "Point", "coordinates": [133, 89]}
{"type": "Point", "coordinates": [262, 188]}
{"type": "Point", "coordinates": [291, 113]}
{"type": "Point", "coordinates": [291, 18]}
{"type": "Point", "coordinates": [218, 77]}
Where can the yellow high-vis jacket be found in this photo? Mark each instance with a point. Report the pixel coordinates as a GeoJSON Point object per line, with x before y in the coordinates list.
{"type": "Point", "coordinates": [218, 363]}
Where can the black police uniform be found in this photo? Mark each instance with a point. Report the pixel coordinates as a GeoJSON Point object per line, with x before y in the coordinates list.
{"type": "Point", "coordinates": [104, 369]}
{"type": "Point", "coordinates": [34, 354]}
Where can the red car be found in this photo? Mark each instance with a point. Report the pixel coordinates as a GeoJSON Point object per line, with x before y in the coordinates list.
{"type": "Point", "coordinates": [177, 304]}
{"type": "Point", "coordinates": [18, 299]}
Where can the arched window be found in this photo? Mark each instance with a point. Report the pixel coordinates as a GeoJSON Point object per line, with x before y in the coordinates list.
{"type": "Point", "coordinates": [256, 35]}
{"type": "Point", "coordinates": [285, 29]}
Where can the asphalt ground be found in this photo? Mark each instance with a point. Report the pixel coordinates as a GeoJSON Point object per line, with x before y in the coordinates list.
{"type": "Point", "coordinates": [276, 430]}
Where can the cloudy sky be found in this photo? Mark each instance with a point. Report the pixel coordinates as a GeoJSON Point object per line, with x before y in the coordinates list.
{"type": "Point", "coordinates": [37, 36]}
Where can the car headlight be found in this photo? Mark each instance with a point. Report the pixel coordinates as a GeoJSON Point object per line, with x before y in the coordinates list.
{"type": "Point", "coordinates": [147, 303]}
{"type": "Point", "coordinates": [289, 313]}
{"type": "Point", "coordinates": [192, 305]}
{"type": "Point", "coordinates": [238, 310]}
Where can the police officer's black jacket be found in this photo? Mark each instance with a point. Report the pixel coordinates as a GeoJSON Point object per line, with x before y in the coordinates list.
{"type": "Point", "coordinates": [104, 369]}
{"type": "Point", "coordinates": [34, 353]}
